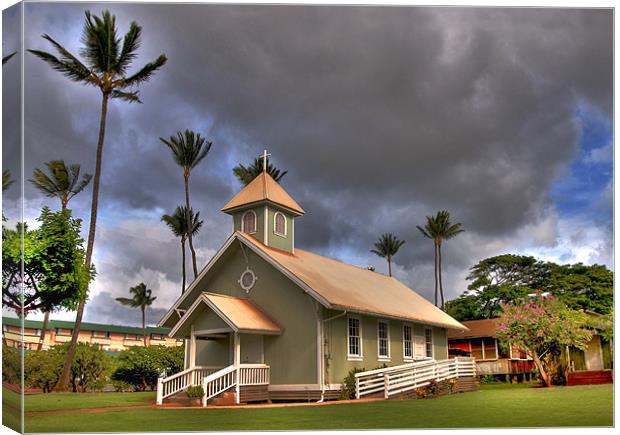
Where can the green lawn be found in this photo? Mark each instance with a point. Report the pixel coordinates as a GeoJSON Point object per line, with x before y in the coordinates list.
{"type": "Point", "coordinates": [492, 406]}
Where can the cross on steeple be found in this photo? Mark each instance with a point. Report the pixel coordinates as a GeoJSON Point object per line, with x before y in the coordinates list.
{"type": "Point", "coordinates": [264, 157]}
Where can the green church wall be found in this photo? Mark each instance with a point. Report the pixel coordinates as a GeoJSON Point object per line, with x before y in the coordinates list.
{"type": "Point", "coordinates": [284, 243]}
{"type": "Point", "coordinates": [292, 355]}
{"type": "Point", "coordinates": [338, 364]}
{"type": "Point", "coordinates": [214, 353]}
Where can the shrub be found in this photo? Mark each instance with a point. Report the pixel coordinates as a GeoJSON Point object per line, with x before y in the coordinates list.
{"type": "Point", "coordinates": [141, 366]}
{"type": "Point", "coordinates": [42, 368]}
{"type": "Point", "coordinates": [488, 379]}
{"type": "Point", "coordinates": [348, 385]}
{"type": "Point", "coordinates": [122, 386]}
{"type": "Point", "coordinates": [195, 392]}
{"type": "Point", "coordinates": [11, 365]}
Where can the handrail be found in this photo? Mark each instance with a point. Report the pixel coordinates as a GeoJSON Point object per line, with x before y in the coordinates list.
{"type": "Point", "coordinates": [219, 382]}
{"type": "Point", "coordinates": [173, 384]}
{"type": "Point", "coordinates": [405, 377]}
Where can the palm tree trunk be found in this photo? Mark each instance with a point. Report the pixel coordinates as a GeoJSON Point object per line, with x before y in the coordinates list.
{"type": "Point", "coordinates": [143, 326]}
{"type": "Point", "coordinates": [189, 226]}
{"type": "Point", "coordinates": [435, 271]}
{"type": "Point", "coordinates": [65, 376]}
{"type": "Point", "coordinates": [183, 263]}
{"type": "Point", "coordinates": [389, 266]}
{"type": "Point", "coordinates": [46, 320]}
{"type": "Point", "coordinates": [439, 274]}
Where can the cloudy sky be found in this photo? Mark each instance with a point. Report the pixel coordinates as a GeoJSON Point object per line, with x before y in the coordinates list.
{"type": "Point", "coordinates": [381, 115]}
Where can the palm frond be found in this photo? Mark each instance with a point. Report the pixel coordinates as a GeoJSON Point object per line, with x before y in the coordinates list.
{"type": "Point", "coordinates": [246, 174]}
{"type": "Point", "coordinates": [131, 43]}
{"type": "Point", "coordinates": [6, 179]}
{"type": "Point", "coordinates": [188, 148]}
{"type": "Point", "coordinates": [131, 97]}
{"type": "Point", "coordinates": [68, 69]}
{"type": "Point", "coordinates": [100, 41]}
{"type": "Point", "coordinates": [5, 59]}
{"type": "Point", "coordinates": [145, 73]}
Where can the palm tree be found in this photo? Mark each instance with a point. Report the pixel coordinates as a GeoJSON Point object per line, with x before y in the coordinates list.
{"type": "Point", "coordinates": [178, 225]}
{"type": "Point", "coordinates": [188, 149]}
{"type": "Point", "coordinates": [6, 179]}
{"type": "Point", "coordinates": [439, 228]}
{"type": "Point", "coordinates": [62, 182]}
{"type": "Point", "coordinates": [106, 68]}
{"type": "Point", "coordinates": [141, 299]}
{"type": "Point", "coordinates": [386, 247]}
{"type": "Point", "coordinates": [246, 174]}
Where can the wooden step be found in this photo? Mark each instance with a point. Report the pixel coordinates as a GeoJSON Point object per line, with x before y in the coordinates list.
{"type": "Point", "coordinates": [590, 377]}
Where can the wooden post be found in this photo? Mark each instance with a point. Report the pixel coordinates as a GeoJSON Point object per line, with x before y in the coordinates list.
{"type": "Point", "coordinates": [160, 391]}
{"type": "Point", "coordinates": [192, 348]}
{"type": "Point", "coordinates": [386, 385]}
{"type": "Point", "coordinates": [237, 356]}
{"type": "Point", "coordinates": [357, 388]}
{"type": "Point", "coordinates": [204, 396]}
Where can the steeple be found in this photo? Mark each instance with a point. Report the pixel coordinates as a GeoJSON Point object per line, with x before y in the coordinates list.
{"type": "Point", "coordinates": [264, 210]}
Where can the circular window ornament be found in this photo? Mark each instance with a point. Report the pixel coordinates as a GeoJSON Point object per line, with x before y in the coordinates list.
{"type": "Point", "coordinates": [247, 280]}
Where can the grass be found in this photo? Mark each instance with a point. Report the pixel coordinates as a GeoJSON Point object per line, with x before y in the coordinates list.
{"type": "Point", "coordinates": [498, 405]}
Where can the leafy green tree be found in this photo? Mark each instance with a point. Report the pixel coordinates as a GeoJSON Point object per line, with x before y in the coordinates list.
{"type": "Point", "coordinates": [188, 149]}
{"type": "Point", "coordinates": [62, 182]}
{"type": "Point", "coordinates": [583, 287]}
{"type": "Point", "coordinates": [91, 368]}
{"type": "Point", "coordinates": [178, 225]}
{"type": "Point", "coordinates": [11, 364]}
{"type": "Point", "coordinates": [246, 174]}
{"type": "Point", "coordinates": [42, 368]}
{"type": "Point", "coordinates": [54, 272]}
{"type": "Point", "coordinates": [543, 327]}
{"type": "Point", "coordinates": [141, 299]}
{"type": "Point", "coordinates": [6, 179]}
{"type": "Point", "coordinates": [141, 366]}
{"type": "Point", "coordinates": [106, 66]}
{"type": "Point", "coordinates": [387, 247]}
{"type": "Point", "coordinates": [508, 278]}
{"type": "Point", "coordinates": [439, 228]}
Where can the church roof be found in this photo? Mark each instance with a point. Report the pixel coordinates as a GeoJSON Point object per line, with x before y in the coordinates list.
{"type": "Point", "coordinates": [241, 314]}
{"type": "Point", "coordinates": [477, 329]}
{"type": "Point", "coordinates": [263, 188]}
{"type": "Point", "coordinates": [343, 286]}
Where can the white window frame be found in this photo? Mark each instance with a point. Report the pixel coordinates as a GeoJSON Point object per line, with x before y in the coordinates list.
{"type": "Point", "coordinates": [432, 355]}
{"type": "Point", "coordinates": [352, 357]}
{"type": "Point", "coordinates": [275, 215]}
{"type": "Point", "coordinates": [243, 223]}
{"type": "Point", "coordinates": [411, 342]}
{"type": "Point", "coordinates": [380, 357]}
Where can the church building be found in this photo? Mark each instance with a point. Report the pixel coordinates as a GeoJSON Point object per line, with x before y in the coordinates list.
{"type": "Point", "coordinates": [265, 320]}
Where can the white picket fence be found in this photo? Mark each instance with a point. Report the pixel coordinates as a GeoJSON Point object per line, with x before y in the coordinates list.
{"type": "Point", "coordinates": [398, 379]}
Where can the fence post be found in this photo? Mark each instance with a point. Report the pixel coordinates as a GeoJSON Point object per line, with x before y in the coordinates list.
{"type": "Point", "coordinates": [386, 385]}
{"type": "Point", "coordinates": [357, 388]}
{"type": "Point", "coordinates": [160, 390]}
{"type": "Point", "coordinates": [204, 393]}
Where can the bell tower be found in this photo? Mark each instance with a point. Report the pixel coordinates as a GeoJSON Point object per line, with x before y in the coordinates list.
{"type": "Point", "coordinates": [265, 211]}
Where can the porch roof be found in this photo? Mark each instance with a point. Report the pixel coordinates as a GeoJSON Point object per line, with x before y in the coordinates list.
{"type": "Point", "coordinates": [241, 314]}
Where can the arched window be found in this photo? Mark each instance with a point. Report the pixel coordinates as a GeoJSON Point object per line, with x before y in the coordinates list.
{"type": "Point", "coordinates": [279, 224]}
{"type": "Point", "coordinates": [248, 222]}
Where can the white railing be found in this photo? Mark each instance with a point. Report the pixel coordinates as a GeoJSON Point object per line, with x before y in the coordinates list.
{"type": "Point", "coordinates": [254, 374]}
{"type": "Point", "coordinates": [398, 379]}
{"type": "Point", "coordinates": [171, 385]}
{"type": "Point", "coordinates": [219, 382]}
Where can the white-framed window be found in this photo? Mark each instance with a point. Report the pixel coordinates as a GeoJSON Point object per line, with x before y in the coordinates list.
{"type": "Point", "coordinates": [248, 222]}
{"type": "Point", "coordinates": [279, 224]}
{"type": "Point", "coordinates": [383, 340]}
{"type": "Point", "coordinates": [407, 341]}
{"type": "Point", "coordinates": [354, 338]}
{"type": "Point", "coordinates": [428, 342]}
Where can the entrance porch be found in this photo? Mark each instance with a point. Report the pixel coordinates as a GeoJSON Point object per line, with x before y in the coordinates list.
{"type": "Point", "coordinates": [224, 350]}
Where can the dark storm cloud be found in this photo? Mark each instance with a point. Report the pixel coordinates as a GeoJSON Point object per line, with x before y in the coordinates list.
{"type": "Point", "coordinates": [380, 115]}
{"type": "Point", "coordinates": [105, 309]}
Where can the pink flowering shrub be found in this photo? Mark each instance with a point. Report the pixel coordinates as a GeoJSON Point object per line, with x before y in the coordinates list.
{"type": "Point", "coordinates": [543, 326]}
